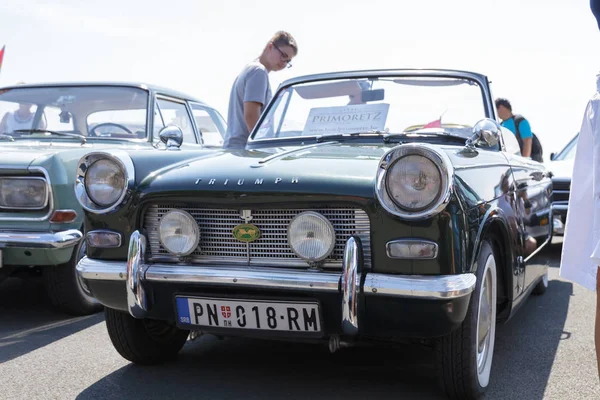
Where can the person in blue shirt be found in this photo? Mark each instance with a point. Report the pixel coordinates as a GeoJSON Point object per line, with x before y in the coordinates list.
{"type": "Point", "coordinates": [595, 7]}
{"type": "Point", "coordinates": [505, 113]}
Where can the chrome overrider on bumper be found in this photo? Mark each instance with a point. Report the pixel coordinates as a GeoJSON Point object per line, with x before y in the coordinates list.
{"type": "Point", "coordinates": [135, 273]}
{"type": "Point", "coordinates": [40, 240]}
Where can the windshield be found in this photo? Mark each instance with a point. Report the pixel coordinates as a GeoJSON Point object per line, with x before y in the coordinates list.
{"type": "Point", "coordinates": [385, 104]}
{"type": "Point", "coordinates": [568, 153]}
{"type": "Point", "coordinates": [103, 112]}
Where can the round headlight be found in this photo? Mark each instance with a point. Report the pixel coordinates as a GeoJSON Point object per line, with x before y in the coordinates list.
{"type": "Point", "coordinates": [105, 182]}
{"type": "Point", "coordinates": [178, 232]}
{"type": "Point", "coordinates": [414, 182]}
{"type": "Point", "coordinates": [311, 236]}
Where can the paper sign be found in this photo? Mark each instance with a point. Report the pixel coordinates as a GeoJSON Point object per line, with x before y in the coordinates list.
{"type": "Point", "coordinates": [346, 119]}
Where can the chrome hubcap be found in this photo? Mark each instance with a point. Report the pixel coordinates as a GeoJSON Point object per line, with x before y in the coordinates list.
{"type": "Point", "coordinates": [486, 326]}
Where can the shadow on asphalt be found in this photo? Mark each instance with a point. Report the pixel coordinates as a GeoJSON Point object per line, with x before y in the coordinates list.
{"type": "Point", "coordinates": [252, 369]}
{"type": "Point", "coordinates": [28, 321]}
{"type": "Point", "coordinates": [526, 346]}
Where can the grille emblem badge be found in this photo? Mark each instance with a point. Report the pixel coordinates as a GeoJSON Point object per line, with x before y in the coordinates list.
{"type": "Point", "coordinates": [246, 232]}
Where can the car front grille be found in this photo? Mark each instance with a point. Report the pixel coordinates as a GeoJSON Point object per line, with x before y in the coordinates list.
{"type": "Point", "coordinates": [560, 190]}
{"type": "Point", "coordinates": [218, 246]}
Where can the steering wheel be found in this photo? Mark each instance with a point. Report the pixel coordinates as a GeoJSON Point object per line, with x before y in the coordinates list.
{"type": "Point", "coordinates": [92, 132]}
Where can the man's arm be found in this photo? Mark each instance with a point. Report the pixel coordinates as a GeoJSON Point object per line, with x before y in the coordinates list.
{"type": "Point", "coordinates": [526, 136]}
{"type": "Point", "coordinates": [252, 110]}
{"type": "Point", "coordinates": [526, 147]}
{"type": "Point", "coordinates": [255, 90]}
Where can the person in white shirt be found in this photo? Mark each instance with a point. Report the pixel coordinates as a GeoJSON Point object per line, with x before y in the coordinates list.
{"type": "Point", "coordinates": [21, 118]}
{"type": "Point", "coordinates": [580, 259]}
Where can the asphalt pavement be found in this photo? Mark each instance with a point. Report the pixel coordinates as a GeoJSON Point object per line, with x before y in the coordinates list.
{"type": "Point", "coordinates": [545, 352]}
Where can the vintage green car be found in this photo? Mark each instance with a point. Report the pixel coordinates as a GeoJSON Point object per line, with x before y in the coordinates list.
{"type": "Point", "coordinates": [44, 130]}
{"type": "Point", "coordinates": [367, 206]}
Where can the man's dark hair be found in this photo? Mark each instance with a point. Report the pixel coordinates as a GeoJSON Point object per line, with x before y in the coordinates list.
{"type": "Point", "coordinates": [503, 103]}
{"type": "Point", "coordinates": [283, 38]}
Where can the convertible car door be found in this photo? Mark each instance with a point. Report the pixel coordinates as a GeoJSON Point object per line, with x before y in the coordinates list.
{"type": "Point", "coordinates": [532, 188]}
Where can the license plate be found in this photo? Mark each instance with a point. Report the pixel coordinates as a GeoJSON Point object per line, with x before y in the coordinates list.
{"type": "Point", "coordinates": [260, 315]}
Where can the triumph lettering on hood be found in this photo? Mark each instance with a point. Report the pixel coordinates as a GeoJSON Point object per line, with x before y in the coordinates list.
{"type": "Point", "coordinates": [241, 182]}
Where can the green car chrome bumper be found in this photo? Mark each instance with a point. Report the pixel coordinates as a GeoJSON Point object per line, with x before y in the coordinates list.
{"type": "Point", "coordinates": [40, 240]}
{"type": "Point", "coordinates": [38, 248]}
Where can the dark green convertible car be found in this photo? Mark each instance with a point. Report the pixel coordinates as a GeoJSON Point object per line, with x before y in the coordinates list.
{"type": "Point", "coordinates": [367, 207]}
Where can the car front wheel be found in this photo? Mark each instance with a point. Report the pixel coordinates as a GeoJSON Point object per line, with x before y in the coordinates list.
{"type": "Point", "coordinates": [464, 357]}
{"type": "Point", "coordinates": [67, 290]}
{"type": "Point", "coordinates": [144, 341]}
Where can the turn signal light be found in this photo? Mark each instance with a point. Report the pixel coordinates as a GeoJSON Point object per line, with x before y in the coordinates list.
{"type": "Point", "coordinates": [412, 249]}
{"type": "Point", "coordinates": [104, 239]}
{"type": "Point", "coordinates": [63, 216]}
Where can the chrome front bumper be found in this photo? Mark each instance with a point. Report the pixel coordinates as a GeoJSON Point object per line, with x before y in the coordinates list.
{"type": "Point", "coordinates": [135, 273]}
{"type": "Point", "coordinates": [40, 240]}
{"type": "Point", "coordinates": [559, 212]}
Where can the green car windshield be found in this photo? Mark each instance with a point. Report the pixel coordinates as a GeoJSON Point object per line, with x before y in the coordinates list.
{"type": "Point", "coordinates": [103, 112]}
{"type": "Point", "coordinates": [381, 105]}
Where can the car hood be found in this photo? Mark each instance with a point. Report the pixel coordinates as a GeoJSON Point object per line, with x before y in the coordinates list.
{"type": "Point", "coordinates": [23, 153]}
{"type": "Point", "coordinates": [325, 168]}
{"type": "Point", "coordinates": [562, 169]}
{"type": "Point", "coordinates": [328, 169]}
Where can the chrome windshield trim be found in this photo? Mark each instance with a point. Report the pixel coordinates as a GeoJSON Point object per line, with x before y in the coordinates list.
{"type": "Point", "coordinates": [272, 278]}
{"type": "Point", "coordinates": [434, 287]}
{"type": "Point", "coordinates": [40, 240]}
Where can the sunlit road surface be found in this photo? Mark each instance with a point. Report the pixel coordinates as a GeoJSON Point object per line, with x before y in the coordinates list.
{"type": "Point", "coordinates": [545, 352]}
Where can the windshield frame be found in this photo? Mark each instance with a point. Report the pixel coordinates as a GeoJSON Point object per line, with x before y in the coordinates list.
{"type": "Point", "coordinates": [560, 156]}
{"type": "Point", "coordinates": [134, 87]}
{"type": "Point", "coordinates": [478, 79]}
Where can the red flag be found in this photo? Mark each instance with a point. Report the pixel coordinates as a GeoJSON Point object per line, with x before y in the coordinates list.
{"type": "Point", "coordinates": [1, 56]}
{"type": "Point", "coordinates": [434, 124]}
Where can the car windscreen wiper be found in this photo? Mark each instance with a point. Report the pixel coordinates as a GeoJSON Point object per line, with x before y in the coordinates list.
{"type": "Point", "coordinates": [7, 137]}
{"type": "Point", "coordinates": [425, 134]}
{"type": "Point", "coordinates": [335, 136]}
{"type": "Point", "coordinates": [74, 135]}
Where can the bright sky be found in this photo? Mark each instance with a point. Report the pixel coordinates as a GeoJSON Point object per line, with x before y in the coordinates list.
{"type": "Point", "coordinates": [541, 54]}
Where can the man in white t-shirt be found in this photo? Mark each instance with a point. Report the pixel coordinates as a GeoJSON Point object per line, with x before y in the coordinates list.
{"type": "Point", "coordinates": [251, 91]}
{"type": "Point", "coordinates": [21, 118]}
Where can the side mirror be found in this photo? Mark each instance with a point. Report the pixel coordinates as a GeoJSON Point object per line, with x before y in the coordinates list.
{"type": "Point", "coordinates": [552, 155]}
{"type": "Point", "coordinates": [171, 136]}
{"type": "Point", "coordinates": [486, 133]}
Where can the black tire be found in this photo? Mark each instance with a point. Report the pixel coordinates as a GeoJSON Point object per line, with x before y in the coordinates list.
{"type": "Point", "coordinates": [66, 289]}
{"type": "Point", "coordinates": [541, 286]}
{"type": "Point", "coordinates": [143, 341]}
{"type": "Point", "coordinates": [457, 352]}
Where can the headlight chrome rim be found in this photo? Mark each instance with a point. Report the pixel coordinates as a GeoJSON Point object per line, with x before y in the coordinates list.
{"type": "Point", "coordinates": [32, 208]}
{"type": "Point", "coordinates": [122, 187]}
{"type": "Point", "coordinates": [124, 163]}
{"type": "Point", "coordinates": [329, 225]}
{"type": "Point", "coordinates": [195, 227]}
{"type": "Point", "coordinates": [438, 158]}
